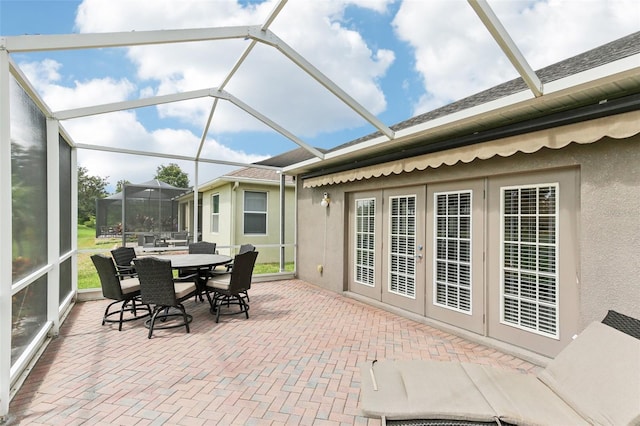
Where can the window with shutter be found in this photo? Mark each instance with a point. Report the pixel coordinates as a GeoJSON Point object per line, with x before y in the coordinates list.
{"type": "Point", "coordinates": [529, 270]}
{"type": "Point", "coordinates": [402, 245]}
{"type": "Point", "coordinates": [365, 241]}
{"type": "Point", "coordinates": [452, 251]}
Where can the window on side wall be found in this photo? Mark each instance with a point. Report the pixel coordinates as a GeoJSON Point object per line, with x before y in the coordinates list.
{"type": "Point", "coordinates": [215, 213]}
{"type": "Point", "coordinates": [255, 213]}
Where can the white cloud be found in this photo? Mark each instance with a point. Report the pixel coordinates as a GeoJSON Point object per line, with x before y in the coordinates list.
{"type": "Point", "coordinates": [45, 77]}
{"type": "Point", "coordinates": [456, 56]}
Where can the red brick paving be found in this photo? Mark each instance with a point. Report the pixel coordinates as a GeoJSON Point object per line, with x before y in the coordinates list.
{"type": "Point", "coordinates": [293, 362]}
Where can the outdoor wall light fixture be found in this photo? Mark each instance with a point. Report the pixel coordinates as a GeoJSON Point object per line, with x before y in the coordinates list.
{"type": "Point", "coordinates": [325, 200]}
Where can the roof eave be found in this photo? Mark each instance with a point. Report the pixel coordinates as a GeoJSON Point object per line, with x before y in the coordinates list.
{"type": "Point", "coordinates": [590, 80]}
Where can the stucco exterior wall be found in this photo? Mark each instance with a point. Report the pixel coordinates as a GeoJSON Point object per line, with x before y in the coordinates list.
{"type": "Point", "coordinates": [267, 254]}
{"type": "Point", "coordinates": [610, 229]}
{"type": "Point", "coordinates": [231, 232]}
{"type": "Point", "coordinates": [608, 219]}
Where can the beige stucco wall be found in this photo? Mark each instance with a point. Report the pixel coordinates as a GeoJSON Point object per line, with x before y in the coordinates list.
{"type": "Point", "coordinates": [608, 221]}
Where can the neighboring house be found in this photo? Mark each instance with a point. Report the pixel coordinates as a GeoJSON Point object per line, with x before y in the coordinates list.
{"type": "Point", "coordinates": [504, 216]}
{"type": "Point", "coordinates": [244, 207]}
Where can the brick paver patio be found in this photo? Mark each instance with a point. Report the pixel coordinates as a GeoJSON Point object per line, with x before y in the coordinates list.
{"type": "Point", "coordinates": [294, 361]}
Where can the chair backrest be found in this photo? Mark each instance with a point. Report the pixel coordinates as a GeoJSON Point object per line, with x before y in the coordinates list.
{"type": "Point", "coordinates": [123, 256]}
{"type": "Point", "coordinates": [246, 247]}
{"type": "Point", "coordinates": [182, 235]}
{"type": "Point", "coordinates": [156, 281]}
{"type": "Point", "coordinates": [109, 279]}
{"type": "Point", "coordinates": [202, 247]}
{"type": "Point", "coordinates": [242, 271]}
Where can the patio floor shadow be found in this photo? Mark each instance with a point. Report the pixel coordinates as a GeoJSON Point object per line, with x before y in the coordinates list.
{"type": "Point", "coordinates": [294, 361]}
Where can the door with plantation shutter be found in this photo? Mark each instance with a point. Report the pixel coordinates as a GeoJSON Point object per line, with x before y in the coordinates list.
{"type": "Point", "coordinates": [532, 263]}
{"type": "Point", "coordinates": [404, 248]}
{"type": "Point", "coordinates": [365, 244]}
{"type": "Point", "coordinates": [455, 232]}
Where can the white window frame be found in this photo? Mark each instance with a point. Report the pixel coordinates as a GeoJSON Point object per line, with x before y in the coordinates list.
{"type": "Point", "coordinates": [408, 256]}
{"type": "Point", "coordinates": [372, 236]}
{"type": "Point", "coordinates": [555, 275]}
{"type": "Point", "coordinates": [436, 261]}
{"type": "Point", "coordinates": [265, 212]}
{"type": "Point", "coordinates": [214, 214]}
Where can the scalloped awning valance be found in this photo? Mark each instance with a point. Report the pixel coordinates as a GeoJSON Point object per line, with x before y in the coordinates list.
{"type": "Point", "coordinates": [618, 126]}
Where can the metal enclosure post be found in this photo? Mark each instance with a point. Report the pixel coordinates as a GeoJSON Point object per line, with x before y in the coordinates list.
{"type": "Point", "coordinates": [5, 236]}
{"type": "Point", "coordinates": [53, 225]}
{"type": "Point", "coordinates": [195, 204]}
{"type": "Point", "coordinates": [283, 197]}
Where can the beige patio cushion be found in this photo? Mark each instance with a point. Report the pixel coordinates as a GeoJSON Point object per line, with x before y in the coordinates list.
{"type": "Point", "coordinates": [184, 289]}
{"type": "Point", "coordinates": [521, 399]}
{"type": "Point", "coordinates": [220, 283]}
{"type": "Point", "coordinates": [130, 285]}
{"type": "Point", "coordinates": [598, 374]}
{"type": "Point", "coordinates": [594, 380]}
{"type": "Point", "coordinates": [418, 389]}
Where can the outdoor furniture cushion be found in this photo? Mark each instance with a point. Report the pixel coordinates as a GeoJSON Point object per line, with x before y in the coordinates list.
{"type": "Point", "coordinates": [414, 389]}
{"type": "Point", "coordinates": [594, 380]}
{"type": "Point", "coordinates": [130, 285]}
{"type": "Point", "coordinates": [598, 374]}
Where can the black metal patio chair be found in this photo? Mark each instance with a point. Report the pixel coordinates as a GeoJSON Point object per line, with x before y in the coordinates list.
{"type": "Point", "coordinates": [123, 257]}
{"type": "Point", "coordinates": [159, 288]}
{"type": "Point", "coordinates": [229, 289]}
{"type": "Point", "coordinates": [244, 248]}
{"type": "Point", "coordinates": [120, 288]}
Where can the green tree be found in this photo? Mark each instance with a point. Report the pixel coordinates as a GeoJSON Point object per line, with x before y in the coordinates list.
{"type": "Point", "coordinates": [120, 185]}
{"type": "Point", "coordinates": [173, 175]}
{"type": "Point", "coordinates": [90, 188]}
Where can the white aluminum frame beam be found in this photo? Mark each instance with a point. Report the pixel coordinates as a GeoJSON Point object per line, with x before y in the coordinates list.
{"type": "Point", "coordinates": [508, 46]}
{"type": "Point", "coordinates": [155, 100]}
{"type": "Point", "coordinates": [40, 43]}
{"type": "Point", "coordinates": [117, 150]}
{"type": "Point", "coordinates": [132, 104]}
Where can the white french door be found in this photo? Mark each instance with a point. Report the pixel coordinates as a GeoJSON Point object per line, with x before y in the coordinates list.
{"type": "Point", "coordinates": [455, 272]}
{"type": "Point", "coordinates": [365, 244]}
{"type": "Point", "coordinates": [403, 218]}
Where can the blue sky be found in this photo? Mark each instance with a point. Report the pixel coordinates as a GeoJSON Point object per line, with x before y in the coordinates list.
{"type": "Point", "coordinates": [396, 58]}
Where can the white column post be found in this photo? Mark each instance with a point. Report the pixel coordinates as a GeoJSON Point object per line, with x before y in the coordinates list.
{"type": "Point", "coordinates": [53, 225]}
{"type": "Point", "coordinates": [283, 197]}
{"type": "Point", "coordinates": [5, 237]}
{"type": "Point", "coordinates": [195, 203]}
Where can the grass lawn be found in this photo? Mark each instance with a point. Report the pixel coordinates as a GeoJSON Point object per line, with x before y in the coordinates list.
{"type": "Point", "coordinates": [88, 277]}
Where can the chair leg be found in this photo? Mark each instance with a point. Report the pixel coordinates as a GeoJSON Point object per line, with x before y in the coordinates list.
{"type": "Point", "coordinates": [156, 311]}
{"type": "Point", "coordinates": [246, 306]}
{"type": "Point", "coordinates": [218, 308]}
{"type": "Point", "coordinates": [124, 305]}
{"type": "Point", "coordinates": [106, 312]}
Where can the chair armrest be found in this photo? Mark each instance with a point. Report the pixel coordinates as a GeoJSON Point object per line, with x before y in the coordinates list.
{"type": "Point", "coordinates": [130, 273]}
{"type": "Point", "coordinates": [190, 277]}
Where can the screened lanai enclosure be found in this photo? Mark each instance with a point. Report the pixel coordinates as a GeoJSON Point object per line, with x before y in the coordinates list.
{"type": "Point", "coordinates": [39, 159]}
{"type": "Point", "coordinates": [149, 208]}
